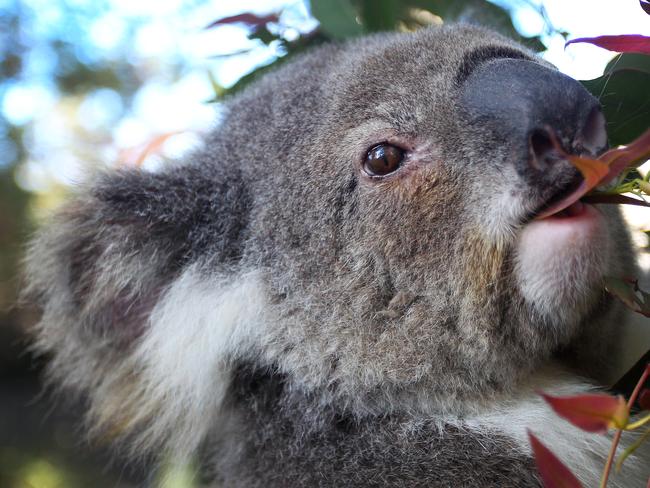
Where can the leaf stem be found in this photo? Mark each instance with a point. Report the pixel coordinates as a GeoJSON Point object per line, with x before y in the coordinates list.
{"type": "Point", "coordinates": [638, 423]}
{"type": "Point", "coordinates": [617, 436]}
{"type": "Point", "coordinates": [631, 449]}
{"type": "Point", "coordinates": [610, 458]}
{"type": "Point", "coordinates": [639, 385]}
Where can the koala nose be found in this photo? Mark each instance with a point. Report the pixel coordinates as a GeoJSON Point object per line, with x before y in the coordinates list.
{"type": "Point", "coordinates": [524, 104]}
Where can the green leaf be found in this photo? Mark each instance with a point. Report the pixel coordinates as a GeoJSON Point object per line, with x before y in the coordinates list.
{"type": "Point", "coordinates": [338, 18]}
{"type": "Point", "coordinates": [629, 293]}
{"type": "Point", "coordinates": [217, 89]}
{"type": "Point", "coordinates": [263, 34]}
{"type": "Point", "coordinates": [256, 74]}
{"type": "Point", "coordinates": [633, 61]}
{"type": "Point", "coordinates": [625, 97]}
{"type": "Point", "coordinates": [479, 12]}
{"type": "Point", "coordinates": [293, 48]}
{"type": "Point", "coordinates": [381, 15]}
{"type": "Point", "coordinates": [631, 176]}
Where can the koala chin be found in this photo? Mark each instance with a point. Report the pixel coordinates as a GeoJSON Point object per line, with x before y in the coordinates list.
{"type": "Point", "coordinates": [349, 284]}
{"type": "Point", "coordinates": [560, 264]}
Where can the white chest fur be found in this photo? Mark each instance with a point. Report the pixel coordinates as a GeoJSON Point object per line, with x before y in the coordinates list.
{"type": "Point", "coordinates": [584, 453]}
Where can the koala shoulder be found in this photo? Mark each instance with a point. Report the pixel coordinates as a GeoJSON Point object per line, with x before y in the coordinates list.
{"type": "Point", "coordinates": [104, 262]}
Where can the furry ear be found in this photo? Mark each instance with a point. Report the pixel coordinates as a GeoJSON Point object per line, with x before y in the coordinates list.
{"type": "Point", "coordinates": [140, 312]}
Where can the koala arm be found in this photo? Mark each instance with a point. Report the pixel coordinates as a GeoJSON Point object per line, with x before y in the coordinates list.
{"type": "Point", "coordinates": [100, 269]}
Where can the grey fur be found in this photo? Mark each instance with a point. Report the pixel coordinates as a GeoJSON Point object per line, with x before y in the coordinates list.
{"type": "Point", "coordinates": [385, 309]}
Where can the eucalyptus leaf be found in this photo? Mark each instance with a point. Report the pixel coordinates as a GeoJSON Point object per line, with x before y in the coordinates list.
{"type": "Point", "coordinates": [381, 15]}
{"type": "Point", "coordinates": [633, 61]}
{"type": "Point", "coordinates": [629, 293]}
{"type": "Point", "coordinates": [625, 97]}
{"type": "Point", "coordinates": [623, 43]}
{"type": "Point", "coordinates": [338, 18]}
{"type": "Point", "coordinates": [479, 12]}
{"type": "Point", "coordinates": [292, 49]}
{"type": "Point", "coordinates": [263, 34]}
{"type": "Point", "coordinates": [645, 5]}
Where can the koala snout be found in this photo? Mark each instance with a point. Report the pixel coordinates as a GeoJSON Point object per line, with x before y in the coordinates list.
{"type": "Point", "coordinates": [523, 104]}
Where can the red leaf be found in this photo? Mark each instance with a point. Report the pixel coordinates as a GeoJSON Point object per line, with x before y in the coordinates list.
{"type": "Point", "coordinates": [245, 18]}
{"type": "Point", "coordinates": [553, 471]}
{"type": "Point", "coordinates": [645, 5]}
{"type": "Point", "coordinates": [593, 171]}
{"type": "Point", "coordinates": [599, 171]}
{"type": "Point", "coordinates": [620, 158]}
{"type": "Point", "coordinates": [626, 43]}
{"type": "Point", "coordinates": [137, 155]}
{"type": "Point", "coordinates": [593, 413]}
{"type": "Point", "coordinates": [644, 399]}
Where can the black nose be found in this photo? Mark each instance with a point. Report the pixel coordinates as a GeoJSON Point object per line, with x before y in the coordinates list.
{"type": "Point", "coordinates": [522, 103]}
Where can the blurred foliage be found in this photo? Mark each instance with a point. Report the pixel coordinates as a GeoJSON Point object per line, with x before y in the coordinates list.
{"type": "Point", "coordinates": [622, 90]}
{"type": "Point", "coordinates": [342, 19]}
{"type": "Point", "coordinates": [48, 54]}
{"type": "Point", "coordinates": [66, 56]}
{"type": "Point", "coordinates": [50, 45]}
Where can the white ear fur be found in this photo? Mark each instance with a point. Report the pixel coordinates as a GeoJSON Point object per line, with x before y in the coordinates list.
{"type": "Point", "coordinates": [183, 363]}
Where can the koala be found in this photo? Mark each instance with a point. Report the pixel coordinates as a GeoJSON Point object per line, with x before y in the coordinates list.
{"type": "Point", "coordinates": [348, 284]}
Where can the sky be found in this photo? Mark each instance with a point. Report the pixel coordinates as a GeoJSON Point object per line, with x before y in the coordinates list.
{"type": "Point", "coordinates": [583, 18]}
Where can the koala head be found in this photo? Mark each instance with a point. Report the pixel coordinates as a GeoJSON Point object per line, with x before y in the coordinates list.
{"type": "Point", "coordinates": [362, 222]}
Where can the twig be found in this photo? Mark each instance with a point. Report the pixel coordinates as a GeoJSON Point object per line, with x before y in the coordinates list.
{"type": "Point", "coordinates": [619, 432]}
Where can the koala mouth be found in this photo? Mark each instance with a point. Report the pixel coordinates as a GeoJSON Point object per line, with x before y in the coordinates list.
{"type": "Point", "coordinates": [572, 210]}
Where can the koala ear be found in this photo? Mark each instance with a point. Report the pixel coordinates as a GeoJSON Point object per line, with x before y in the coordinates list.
{"type": "Point", "coordinates": [139, 312]}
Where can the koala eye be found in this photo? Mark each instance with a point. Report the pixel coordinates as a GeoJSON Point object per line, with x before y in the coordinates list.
{"type": "Point", "coordinates": [383, 159]}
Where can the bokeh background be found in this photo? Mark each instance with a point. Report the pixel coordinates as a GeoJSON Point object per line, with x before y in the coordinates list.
{"type": "Point", "coordinates": [104, 83]}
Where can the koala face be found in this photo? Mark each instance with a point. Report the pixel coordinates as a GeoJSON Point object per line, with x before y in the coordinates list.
{"type": "Point", "coordinates": [362, 223]}
{"type": "Point", "coordinates": [424, 278]}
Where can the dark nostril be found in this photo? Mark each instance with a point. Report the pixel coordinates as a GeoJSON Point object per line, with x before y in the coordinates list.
{"type": "Point", "coordinates": [542, 151]}
{"type": "Point", "coordinates": [590, 138]}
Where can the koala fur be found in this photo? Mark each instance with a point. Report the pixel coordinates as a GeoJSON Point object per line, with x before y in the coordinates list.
{"type": "Point", "coordinates": [298, 323]}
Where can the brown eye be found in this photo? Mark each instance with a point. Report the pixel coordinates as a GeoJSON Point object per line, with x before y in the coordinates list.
{"type": "Point", "coordinates": [383, 159]}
